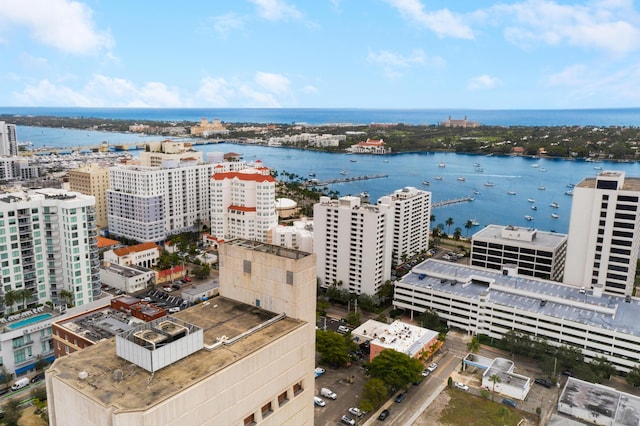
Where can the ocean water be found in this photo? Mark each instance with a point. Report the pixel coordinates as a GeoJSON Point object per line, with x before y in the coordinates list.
{"type": "Point", "coordinates": [566, 117]}
{"type": "Point", "coordinates": [491, 205]}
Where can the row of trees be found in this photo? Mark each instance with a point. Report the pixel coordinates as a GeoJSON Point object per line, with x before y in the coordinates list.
{"type": "Point", "coordinates": [13, 297]}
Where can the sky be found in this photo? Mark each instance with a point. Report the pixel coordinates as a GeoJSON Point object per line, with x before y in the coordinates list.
{"type": "Point", "coordinates": [395, 54]}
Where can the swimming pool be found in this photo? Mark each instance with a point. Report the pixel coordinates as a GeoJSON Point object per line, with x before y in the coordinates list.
{"type": "Point", "coordinates": [29, 320]}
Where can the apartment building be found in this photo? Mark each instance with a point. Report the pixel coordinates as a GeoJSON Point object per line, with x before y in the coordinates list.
{"type": "Point", "coordinates": [243, 204]}
{"type": "Point", "coordinates": [604, 233]}
{"type": "Point", "coordinates": [353, 243]}
{"type": "Point", "coordinates": [410, 214]}
{"type": "Point", "coordinates": [93, 180]}
{"type": "Point", "coordinates": [156, 153]}
{"type": "Point", "coordinates": [48, 244]}
{"type": "Point", "coordinates": [481, 301]}
{"type": "Point", "coordinates": [8, 139]}
{"type": "Point", "coordinates": [243, 361]}
{"type": "Point", "coordinates": [530, 251]}
{"type": "Point", "coordinates": [298, 235]}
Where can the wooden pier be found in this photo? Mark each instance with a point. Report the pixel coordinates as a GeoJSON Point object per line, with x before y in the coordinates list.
{"type": "Point", "coordinates": [452, 201]}
{"type": "Point", "coordinates": [315, 182]}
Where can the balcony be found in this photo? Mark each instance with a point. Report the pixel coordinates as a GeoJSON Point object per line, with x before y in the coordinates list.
{"type": "Point", "coordinates": [18, 345]}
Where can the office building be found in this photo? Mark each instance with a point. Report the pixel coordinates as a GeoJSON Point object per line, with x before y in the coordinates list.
{"type": "Point", "coordinates": [353, 241]}
{"type": "Point", "coordinates": [410, 217]}
{"type": "Point", "coordinates": [93, 180]}
{"type": "Point", "coordinates": [604, 233]}
{"type": "Point", "coordinates": [482, 301]}
{"type": "Point", "coordinates": [48, 244]}
{"type": "Point", "coordinates": [243, 204]}
{"type": "Point", "coordinates": [8, 139]}
{"type": "Point", "coordinates": [221, 362]}
{"type": "Point", "coordinates": [530, 251]}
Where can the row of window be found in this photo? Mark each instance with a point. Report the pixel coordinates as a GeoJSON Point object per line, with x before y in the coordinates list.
{"type": "Point", "coordinates": [269, 407]}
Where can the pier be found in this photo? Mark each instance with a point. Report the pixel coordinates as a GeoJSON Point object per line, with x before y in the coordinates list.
{"type": "Point", "coordinates": [452, 201]}
{"type": "Point", "coordinates": [315, 182]}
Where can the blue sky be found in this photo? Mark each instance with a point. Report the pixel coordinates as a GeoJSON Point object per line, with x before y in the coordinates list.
{"type": "Point", "coordinates": [480, 54]}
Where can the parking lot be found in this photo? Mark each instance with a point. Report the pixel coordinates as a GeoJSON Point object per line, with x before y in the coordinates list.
{"type": "Point", "coordinates": [347, 384]}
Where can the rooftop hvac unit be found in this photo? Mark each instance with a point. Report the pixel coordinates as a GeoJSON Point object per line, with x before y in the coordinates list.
{"type": "Point", "coordinates": [172, 328]}
{"type": "Point", "coordinates": [150, 336]}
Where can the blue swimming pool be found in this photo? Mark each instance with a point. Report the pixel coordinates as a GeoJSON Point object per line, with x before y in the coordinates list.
{"type": "Point", "coordinates": [28, 321]}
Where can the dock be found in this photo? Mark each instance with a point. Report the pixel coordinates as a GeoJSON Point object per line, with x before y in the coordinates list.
{"type": "Point", "coordinates": [452, 201]}
{"type": "Point", "coordinates": [315, 182]}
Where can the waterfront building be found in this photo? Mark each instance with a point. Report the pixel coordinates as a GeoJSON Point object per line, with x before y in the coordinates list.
{"type": "Point", "coordinates": [8, 139]}
{"type": "Point", "coordinates": [482, 301]}
{"type": "Point", "coordinates": [464, 123]}
{"type": "Point", "coordinates": [370, 146]}
{"type": "Point", "coordinates": [246, 357]}
{"type": "Point", "coordinates": [530, 251]}
{"type": "Point", "coordinates": [410, 218]}
{"type": "Point", "coordinates": [298, 235]}
{"type": "Point", "coordinates": [48, 244]}
{"type": "Point", "coordinates": [206, 128]}
{"type": "Point", "coordinates": [353, 243]}
{"type": "Point", "coordinates": [145, 254]}
{"type": "Point", "coordinates": [243, 204]}
{"type": "Point", "coordinates": [604, 233]}
{"type": "Point", "coordinates": [156, 153]}
{"type": "Point", "coordinates": [92, 179]}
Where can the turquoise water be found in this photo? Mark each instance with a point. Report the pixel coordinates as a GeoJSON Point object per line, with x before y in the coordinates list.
{"type": "Point", "coordinates": [28, 321]}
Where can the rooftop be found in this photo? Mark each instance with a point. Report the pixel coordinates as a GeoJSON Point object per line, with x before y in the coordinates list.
{"type": "Point", "coordinates": [399, 336]}
{"type": "Point", "coordinates": [269, 248]}
{"type": "Point", "coordinates": [139, 389]}
{"type": "Point", "coordinates": [98, 325]}
{"type": "Point", "coordinates": [125, 270]}
{"type": "Point", "coordinates": [542, 239]}
{"type": "Point", "coordinates": [525, 294]}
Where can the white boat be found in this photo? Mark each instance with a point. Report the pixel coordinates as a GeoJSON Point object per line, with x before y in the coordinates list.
{"type": "Point", "coordinates": [597, 167]}
{"type": "Point", "coordinates": [529, 218]}
{"type": "Point", "coordinates": [385, 161]}
{"type": "Point", "coordinates": [442, 164]}
{"type": "Point", "coordinates": [439, 178]}
{"type": "Point", "coordinates": [535, 165]}
{"type": "Point", "coordinates": [555, 205]}
{"type": "Point", "coordinates": [511, 192]}
{"type": "Point", "coordinates": [474, 222]}
{"type": "Point", "coordinates": [344, 172]}
{"type": "Point", "coordinates": [534, 208]}
{"type": "Point", "coordinates": [475, 191]}
{"type": "Point", "coordinates": [541, 188]}
{"type": "Point", "coordinates": [353, 161]}
{"type": "Point", "coordinates": [569, 192]}
{"type": "Point", "coordinates": [312, 174]}
{"type": "Point", "coordinates": [542, 169]}
{"type": "Point", "coordinates": [531, 200]}
{"type": "Point", "coordinates": [489, 184]}
{"type": "Point", "coordinates": [554, 215]}
{"type": "Point", "coordinates": [461, 179]}
{"type": "Point", "coordinates": [476, 164]}
{"type": "Point", "coordinates": [426, 183]}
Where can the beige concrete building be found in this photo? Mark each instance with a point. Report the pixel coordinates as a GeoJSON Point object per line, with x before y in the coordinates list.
{"type": "Point", "coordinates": [159, 154]}
{"type": "Point", "coordinates": [239, 362]}
{"type": "Point", "coordinates": [92, 180]}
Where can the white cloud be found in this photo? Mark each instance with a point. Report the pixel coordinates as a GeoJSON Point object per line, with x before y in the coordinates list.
{"type": "Point", "coordinates": [394, 64]}
{"type": "Point", "coordinates": [32, 62]}
{"type": "Point", "coordinates": [483, 81]}
{"type": "Point", "coordinates": [442, 22]}
{"type": "Point", "coordinates": [274, 83]}
{"type": "Point", "coordinates": [310, 90]}
{"type": "Point", "coordinates": [215, 92]}
{"type": "Point", "coordinates": [225, 24]}
{"type": "Point", "coordinates": [45, 93]}
{"type": "Point", "coordinates": [275, 10]}
{"type": "Point", "coordinates": [606, 25]}
{"type": "Point", "coordinates": [64, 24]}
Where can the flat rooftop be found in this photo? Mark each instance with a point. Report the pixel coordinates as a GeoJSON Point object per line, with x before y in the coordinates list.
{"type": "Point", "coordinates": [525, 294]}
{"type": "Point", "coordinates": [399, 336]}
{"type": "Point", "coordinates": [269, 248]}
{"type": "Point", "coordinates": [630, 183]}
{"type": "Point", "coordinates": [124, 270]}
{"type": "Point", "coordinates": [98, 325]}
{"type": "Point", "coordinates": [138, 389]}
{"type": "Point", "coordinates": [493, 233]}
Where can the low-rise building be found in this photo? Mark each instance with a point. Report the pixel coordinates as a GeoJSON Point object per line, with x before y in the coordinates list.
{"type": "Point", "coordinates": [145, 254]}
{"type": "Point", "coordinates": [370, 146]}
{"type": "Point", "coordinates": [129, 279]}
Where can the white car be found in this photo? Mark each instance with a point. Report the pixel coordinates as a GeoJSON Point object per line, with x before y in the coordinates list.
{"type": "Point", "coordinates": [168, 289]}
{"type": "Point", "coordinates": [356, 411]}
{"type": "Point", "coordinates": [319, 401]}
{"type": "Point", "coordinates": [347, 420]}
{"type": "Point", "coordinates": [174, 309]}
{"type": "Point", "coordinates": [432, 367]}
{"type": "Point", "coordinates": [319, 371]}
{"type": "Point", "coordinates": [425, 373]}
{"type": "Point", "coordinates": [461, 386]}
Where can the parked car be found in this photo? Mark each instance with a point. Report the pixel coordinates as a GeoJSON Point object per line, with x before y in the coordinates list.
{"type": "Point", "coordinates": [460, 385]}
{"type": "Point", "coordinates": [383, 415]}
{"type": "Point", "coordinates": [38, 377]}
{"type": "Point", "coordinates": [187, 279]}
{"type": "Point", "coordinates": [146, 299]}
{"type": "Point", "coordinates": [347, 420]}
{"type": "Point", "coordinates": [328, 393]}
{"type": "Point", "coordinates": [544, 382]}
{"type": "Point", "coordinates": [425, 372]}
{"type": "Point", "coordinates": [509, 402]}
{"type": "Point", "coordinates": [343, 329]}
{"type": "Point", "coordinates": [174, 310]}
{"type": "Point", "coordinates": [356, 411]}
{"type": "Point", "coordinates": [400, 397]}
{"type": "Point", "coordinates": [168, 289]}
{"type": "Point", "coordinates": [319, 371]}
{"type": "Point", "coordinates": [432, 367]}
{"type": "Point", "coordinates": [318, 401]}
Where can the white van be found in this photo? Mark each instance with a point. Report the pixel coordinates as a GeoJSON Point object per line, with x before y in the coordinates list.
{"type": "Point", "coordinates": [20, 383]}
{"type": "Point", "coordinates": [328, 393]}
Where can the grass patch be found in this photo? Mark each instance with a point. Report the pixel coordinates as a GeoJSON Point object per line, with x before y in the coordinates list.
{"type": "Point", "coordinates": [467, 409]}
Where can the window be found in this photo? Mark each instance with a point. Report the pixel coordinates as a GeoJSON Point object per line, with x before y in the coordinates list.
{"type": "Point", "coordinates": [246, 266]}
{"type": "Point", "coordinates": [250, 420]}
{"type": "Point", "coordinates": [266, 409]}
{"type": "Point", "coordinates": [297, 388]}
{"type": "Point", "coordinates": [290, 277]}
{"type": "Point", "coordinates": [282, 398]}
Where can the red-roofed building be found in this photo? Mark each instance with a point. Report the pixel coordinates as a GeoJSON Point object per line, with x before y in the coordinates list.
{"type": "Point", "coordinates": [370, 146]}
{"type": "Point", "coordinates": [145, 254]}
{"type": "Point", "coordinates": [243, 204]}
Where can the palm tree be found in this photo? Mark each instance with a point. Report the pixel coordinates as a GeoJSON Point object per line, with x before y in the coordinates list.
{"type": "Point", "coordinates": [449, 222]}
{"type": "Point", "coordinates": [24, 296]}
{"type": "Point", "coordinates": [11, 297]}
{"type": "Point", "coordinates": [457, 233]}
{"type": "Point", "coordinates": [468, 225]}
{"type": "Point", "coordinates": [494, 379]}
{"type": "Point", "coordinates": [474, 345]}
{"type": "Point", "coordinates": [66, 295]}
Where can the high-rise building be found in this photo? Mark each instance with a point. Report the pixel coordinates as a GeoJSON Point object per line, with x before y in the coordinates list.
{"type": "Point", "coordinates": [243, 204]}
{"type": "Point", "coordinates": [353, 243]}
{"type": "Point", "coordinates": [241, 359]}
{"type": "Point", "coordinates": [48, 245]}
{"type": "Point", "coordinates": [410, 216]}
{"type": "Point", "coordinates": [604, 233]}
{"type": "Point", "coordinates": [8, 139]}
{"type": "Point", "coordinates": [92, 180]}
{"type": "Point", "coordinates": [527, 250]}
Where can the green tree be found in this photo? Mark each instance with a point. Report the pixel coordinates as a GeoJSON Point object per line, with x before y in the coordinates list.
{"type": "Point", "coordinates": [374, 394]}
{"type": "Point", "coordinates": [11, 297]}
{"type": "Point", "coordinates": [494, 379]}
{"type": "Point", "coordinates": [332, 347]}
{"type": "Point", "coordinates": [385, 292]}
{"type": "Point", "coordinates": [457, 233]}
{"type": "Point", "coordinates": [12, 412]}
{"type": "Point", "coordinates": [395, 369]}
{"type": "Point", "coordinates": [474, 345]}
{"type": "Point", "coordinates": [5, 376]}
{"type": "Point", "coordinates": [67, 296]}
{"type": "Point", "coordinates": [449, 222]}
{"type": "Point", "coordinates": [25, 296]}
{"type": "Point", "coordinates": [633, 377]}
{"type": "Point", "coordinates": [202, 272]}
